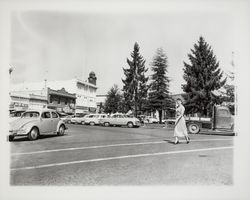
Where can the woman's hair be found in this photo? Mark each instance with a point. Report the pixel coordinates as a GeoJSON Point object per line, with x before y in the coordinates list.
{"type": "Point", "coordinates": [179, 100]}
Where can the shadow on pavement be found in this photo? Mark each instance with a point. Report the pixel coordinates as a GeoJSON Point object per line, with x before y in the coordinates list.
{"type": "Point", "coordinates": [169, 141]}
{"type": "Point", "coordinates": [41, 137]}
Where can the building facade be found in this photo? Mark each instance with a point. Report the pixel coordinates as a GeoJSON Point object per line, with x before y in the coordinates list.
{"type": "Point", "coordinates": [75, 91]}
{"type": "Point", "coordinates": [61, 101]}
{"type": "Point", "coordinates": [21, 101]}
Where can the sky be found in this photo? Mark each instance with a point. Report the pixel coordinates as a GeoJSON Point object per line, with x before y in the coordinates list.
{"type": "Point", "coordinates": [61, 45]}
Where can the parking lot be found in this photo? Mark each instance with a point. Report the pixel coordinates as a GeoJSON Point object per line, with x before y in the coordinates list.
{"type": "Point", "coordinates": [96, 155]}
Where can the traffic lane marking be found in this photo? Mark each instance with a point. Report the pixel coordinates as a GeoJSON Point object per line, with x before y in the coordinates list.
{"type": "Point", "coordinates": [120, 157]}
{"type": "Point", "coordinates": [106, 146]}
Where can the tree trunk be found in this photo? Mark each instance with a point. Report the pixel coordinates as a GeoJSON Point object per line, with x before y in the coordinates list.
{"type": "Point", "coordinates": [160, 115]}
{"type": "Point", "coordinates": [136, 106]}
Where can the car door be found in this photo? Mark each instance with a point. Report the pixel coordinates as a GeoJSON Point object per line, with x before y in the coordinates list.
{"type": "Point", "coordinates": [54, 121]}
{"type": "Point", "coordinates": [101, 117]}
{"type": "Point", "coordinates": [120, 120]}
{"type": "Point", "coordinates": [222, 119]}
{"type": "Point", "coordinates": [46, 122]}
{"type": "Point", "coordinates": [113, 120]}
{"type": "Point", "coordinates": [89, 119]}
{"type": "Point", "coordinates": [96, 119]}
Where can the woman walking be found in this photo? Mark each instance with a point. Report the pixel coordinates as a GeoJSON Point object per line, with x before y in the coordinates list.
{"type": "Point", "coordinates": [180, 129]}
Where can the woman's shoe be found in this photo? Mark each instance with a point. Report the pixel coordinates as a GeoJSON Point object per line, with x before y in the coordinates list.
{"type": "Point", "coordinates": [176, 142]}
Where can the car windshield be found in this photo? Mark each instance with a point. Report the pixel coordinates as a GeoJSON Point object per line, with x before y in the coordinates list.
{"type": "Point", "coordinates": [30, 114]}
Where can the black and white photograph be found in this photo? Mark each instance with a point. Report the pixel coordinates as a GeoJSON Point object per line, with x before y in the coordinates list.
{"type": "Point", "coordinates": [125, 99]}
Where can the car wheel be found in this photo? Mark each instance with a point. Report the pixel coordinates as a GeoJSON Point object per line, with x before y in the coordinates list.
{"type": "Point", "coordinates": [11, 138]}
{"type": "Point", "coordinates": [83, 123]}
{"type": "Point", "coordinates": [193, 128]}
{"type": "Point", "coordinates": [130, 124]}
{"type": "Point", "coordinates": [106, 124]}
{"type": "Point", "coordinates": [92, 123]}
{"type": "Point", "coordinates": [61, 130]}
{"type": "Point", "coordinates": [33, 134]}
{"type": "Point", "coordinates": [69, 122]}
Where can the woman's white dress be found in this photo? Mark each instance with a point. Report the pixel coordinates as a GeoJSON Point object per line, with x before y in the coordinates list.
{"type": "Point", "coordinates": [180, 124]}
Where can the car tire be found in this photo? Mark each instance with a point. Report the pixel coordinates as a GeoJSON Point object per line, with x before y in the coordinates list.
{"type": "Point", "coordinates": [11, 138]}
{"type": "Point", "coordinates": [193, 128]}
{"type": "Point", "coordinates": [106, 124]}
{"type": "Point", "coordinates": [33, 134]}
{"type": "Point", "coordinates": [83, 123]}
{"type": "Point", "coordinates": [61, 130]}
{"type": "Point", "coordinates": [130, 124]}
{"type": "Point", "coordinates": [92, 123]}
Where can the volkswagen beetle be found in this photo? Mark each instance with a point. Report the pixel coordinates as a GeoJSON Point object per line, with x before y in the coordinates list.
{"type": "Point", "coordinates": [34, 123]}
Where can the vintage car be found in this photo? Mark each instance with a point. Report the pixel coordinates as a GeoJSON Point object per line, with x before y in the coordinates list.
{"type": "Point", "coordinates": [34, 123]}
{"type": "Point", "coordinates": [78, 119]}
{"type": "Point", "coordinates": [67, 118]}
{"type": "Point", "coordinates": [94, 119]}
{"type": "Point", "coordinates": [151, 120]}
{"type": "Point", "coordinates": [120, 120]}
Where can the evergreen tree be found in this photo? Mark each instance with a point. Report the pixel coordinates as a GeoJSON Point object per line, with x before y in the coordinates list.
{"type": "Point", "coordinates": [113, 102]}
{"type": "Point", "coordinates": [159, 98]}
{"type": "Point", "coordinates": [135, 83]}
{"type": "Point", "coordinates": [202, 76]}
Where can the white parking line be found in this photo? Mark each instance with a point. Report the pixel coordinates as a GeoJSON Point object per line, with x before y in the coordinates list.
{"type": "Point", "coordinates": [88, 147]}
{"type": "Point", "coordinates": [120, 157]}
{"type": "Point", "coordinates": [106, 146]}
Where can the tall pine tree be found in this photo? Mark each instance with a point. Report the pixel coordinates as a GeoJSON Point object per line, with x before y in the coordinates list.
{"type": "Point", "coordinates": [159, 98]}
{"type": "Point", "coordinates": [135, 83]}
{"type": "Point", "coordinates": [202, 76]}
{"type": "Point", "coordinates": [113, 101]}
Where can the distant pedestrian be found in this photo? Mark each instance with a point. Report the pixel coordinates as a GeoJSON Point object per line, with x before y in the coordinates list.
{"type": "Point", "coordinates": [180, 129]}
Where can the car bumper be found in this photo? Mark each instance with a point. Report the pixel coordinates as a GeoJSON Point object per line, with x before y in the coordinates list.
{"type": "Point", "coordinates": [17, 133]}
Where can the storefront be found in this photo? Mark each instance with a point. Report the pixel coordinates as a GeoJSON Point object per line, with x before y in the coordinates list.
{"type": "Point", "coordinates": [61, 101]}
{"type": "Point", "coordinates": [21, 101]}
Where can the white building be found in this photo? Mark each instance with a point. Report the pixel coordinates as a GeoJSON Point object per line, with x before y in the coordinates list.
{"type": "Point", "coordinates": [85, 91]}
{"type": "Point", "coordinates": [22, 100]}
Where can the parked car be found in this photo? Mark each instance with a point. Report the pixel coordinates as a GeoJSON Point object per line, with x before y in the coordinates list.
{"type": "Point", "coordinates": [94, 119]}
{"type": "Point", "coordinates": [67, 118]}
{"type": "Point", "coordinates": [151, 120]}
{"type": "Point", "coordinates": [221, 122]}
{"type": "Point", "coordinates": [141, 118]}
{"type": "Point", "coordinates": [34, 123]}
{"type": "Point", "coordinates": [120, 120]}
{"type": "Point", "coordinates": [78, 119]}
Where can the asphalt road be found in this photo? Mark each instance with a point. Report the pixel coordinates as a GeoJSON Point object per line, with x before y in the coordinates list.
{"type": "Point", "coordinates": [97, 155]}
